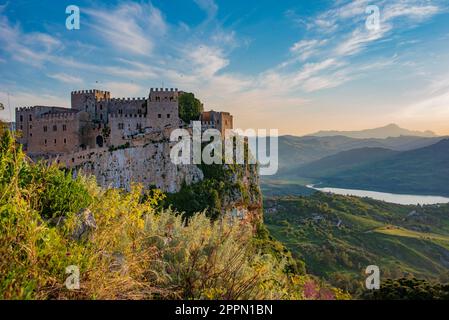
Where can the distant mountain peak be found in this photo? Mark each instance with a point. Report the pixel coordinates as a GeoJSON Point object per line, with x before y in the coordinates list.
{"type": "Point", "coordinates": [390, 130]}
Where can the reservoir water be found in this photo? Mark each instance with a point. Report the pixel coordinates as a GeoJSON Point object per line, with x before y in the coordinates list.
{"type": "Point", "coordinates": [405, 199]}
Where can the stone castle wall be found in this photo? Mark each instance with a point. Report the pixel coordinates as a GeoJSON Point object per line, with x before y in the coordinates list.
{"type": "Point", "coordinates": [163, 110]}
{"type": "Point", "coordinates": [54, 133]}
{"type": "Point", "coordinates": [123, 126]}
{"type": "Point", "coordinates": [123, 106]}
{"type": "Point", "coordinates": [221, 121]}
{"type": "Point", "coordinates": [86, 100]}
{"type": "Point", "coordinates": [146, 161]}
{"type": "Point", "coordinates": [27, 121]}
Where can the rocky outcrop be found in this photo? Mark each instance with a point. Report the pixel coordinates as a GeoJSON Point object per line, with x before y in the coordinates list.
{"type": "Point", "coordinates": [149, 165]}
{"type": "Point", "coordinates": [146, 160]}
{"type": "Point", "coordinates": [244, 199]}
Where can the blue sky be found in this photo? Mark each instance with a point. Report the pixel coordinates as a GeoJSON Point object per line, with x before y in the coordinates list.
{"type": "Point", "coordinates": [295, 65]}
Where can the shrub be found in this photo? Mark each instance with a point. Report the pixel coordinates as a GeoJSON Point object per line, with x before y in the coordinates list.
{"type": "Point", "coordinates": [190, 108]}
{"type": "Point", "coordinates": [132, 252]}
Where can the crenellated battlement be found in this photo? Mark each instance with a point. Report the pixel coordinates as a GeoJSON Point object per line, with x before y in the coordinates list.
{"type": "Point", "coordinates": [25, 109]}
{"type": "Point", "coordinates": [91, 91]}
{"type": "Point", "coordinates": [164, 90]}
{"type": "Point", "coordinates": [161, 95]}
{"type": "Point", "coordinates": [143, 99]}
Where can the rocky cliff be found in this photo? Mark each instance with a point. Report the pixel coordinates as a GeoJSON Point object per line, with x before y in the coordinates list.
{"type": "Point", "coordinates": [219, 189]}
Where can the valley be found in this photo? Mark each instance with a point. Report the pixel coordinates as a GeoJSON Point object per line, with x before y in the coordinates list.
{"type": "Point", "coordinates": [339, 236]}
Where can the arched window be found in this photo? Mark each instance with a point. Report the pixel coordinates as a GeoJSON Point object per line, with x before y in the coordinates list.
{"type": "Point", "coordinates": [99, 141]}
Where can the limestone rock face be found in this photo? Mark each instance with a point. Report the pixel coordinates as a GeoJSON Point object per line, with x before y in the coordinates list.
{"type": "Point", "coordinates": [149, 165]}
{"type": "Point", "coordinates": [146, 160]}
{"type": "Point", "coordinates": [244, 202]}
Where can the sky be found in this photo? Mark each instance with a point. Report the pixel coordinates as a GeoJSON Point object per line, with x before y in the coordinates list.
{"type": "Point", "coordinates": [298, 66]}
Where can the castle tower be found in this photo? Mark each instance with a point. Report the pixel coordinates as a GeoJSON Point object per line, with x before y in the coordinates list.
{"type": "Point", "coordinates": [86, 100]}
{"type": "Point", "coordinates": [163, 108]}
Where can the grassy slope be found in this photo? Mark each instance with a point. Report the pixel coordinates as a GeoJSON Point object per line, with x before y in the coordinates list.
{"type": "Point", "coordinates": [371, 232]}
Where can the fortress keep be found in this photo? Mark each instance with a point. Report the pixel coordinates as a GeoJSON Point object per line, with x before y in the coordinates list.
{"type": "Point", "coordinates": [123, 141]}
{"type": "Point", "coordinates": [95, 121]}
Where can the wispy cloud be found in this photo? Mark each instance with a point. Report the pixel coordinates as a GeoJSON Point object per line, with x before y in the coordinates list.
{"type": "Point", "coordinates": [144, 47]}
{"type": "Point", "coordinates": [350, 37]}
{"type": "Point", "coordinates": [131, 27]}
{"type": "Point", "coordinates": [209, 6]}
{"type": "Point", "coordinates": [66, 78]}
{"type": "Point", "coordinates": [307, 48]}
{"type": "Point", "coordinates": [32, 48]}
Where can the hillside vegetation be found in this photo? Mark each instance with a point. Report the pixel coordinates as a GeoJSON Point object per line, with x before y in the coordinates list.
{"type": "Point", "coordinates": [124, 247]}
{"type": "Point", "coordinates": [420, 171]}
{"type": "Point", "coordinates": [345, 160]}
{"type": "Point", "coordinates": [339, 236]}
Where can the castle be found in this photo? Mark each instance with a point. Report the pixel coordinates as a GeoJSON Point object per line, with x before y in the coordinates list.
{"type": "Point", "coordinates": [126, 141]}
{"type": "Point", "coordinates": [95, 120]}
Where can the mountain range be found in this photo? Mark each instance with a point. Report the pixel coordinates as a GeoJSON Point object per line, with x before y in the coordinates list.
{"type": "Point", "coordinates": [420, 171]}
{"type": "Point", "coordinates": [402, 164]}
{"type": "Point", "coordinates": [391, 130]}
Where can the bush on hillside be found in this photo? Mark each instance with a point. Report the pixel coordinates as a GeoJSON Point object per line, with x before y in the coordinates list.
{"type": "Point", "coordinates": [190, 108]}
{"type": "Point", "coordinates": [132, 251]}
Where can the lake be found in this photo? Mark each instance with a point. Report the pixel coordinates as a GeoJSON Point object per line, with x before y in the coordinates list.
{"type": "Point", "coordinates": [405, 199]}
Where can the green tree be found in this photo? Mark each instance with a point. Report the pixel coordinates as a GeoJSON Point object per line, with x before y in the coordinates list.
{"type": "Point", "coordinates": [190, 108]}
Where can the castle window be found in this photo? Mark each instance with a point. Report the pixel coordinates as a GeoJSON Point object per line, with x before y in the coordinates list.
{"type": "Point", "coordinates": [45, 141]}
{"type": "Point", "coordinates": [55, 141]}
{"type": "Point", "coordinates": [101, 116]}
{"type": "Point", "coordinates": [31, 119]}
{"type": "Point", "coordinates": [168, 116]}
{"type": "Point", "coordinates": [65, 141]}
{"type": "Point", "coordinates": [21, 118]}
{"type": "Point", "coordinates": [64, 127]}
{"type": "Point", "coordinates": [31, 127]}
{"type": "Point", "coordinates": [101, 107]}
{"type": "Point", "coordinates": [120, 126]}
{"type": "Point", "coordinates": [55, 128]}
{"type": "Point", "coordinates": [31, 134]}
{"type": "Point", "coordinates": [45, 128]}
{"type": "Point", "coordinates": [21, 127]}
{"type": "Point", "coordinates": [159, 115]}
